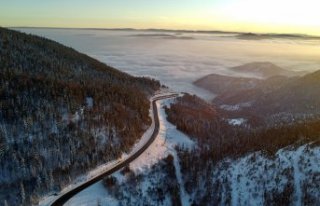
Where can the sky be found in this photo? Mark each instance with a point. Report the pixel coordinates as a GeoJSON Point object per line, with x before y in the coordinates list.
{"type": "Point", "coordinates": [265, 16]}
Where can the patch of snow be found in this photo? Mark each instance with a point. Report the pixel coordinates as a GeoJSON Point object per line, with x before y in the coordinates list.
{"type": "Point", "coordinates": [143, 190]}
{"type": "Point", "coordinates": [298, 176]}
{"type": "Point", "coordinates": [293, 161]}
{"type": "Point", "coordinates": [230, 107]}
{"type": "Point", "coordinates": [168, 138]}
{"type": "Point", "coordinates": [120, 178]}
{"type": "Point", "coordinates": [164, 144]}
{"type": "Point", "coordinates": [76, 117]}
{"type": "Point", "coordinates": [183, 194]}
{"type": "Point", "coordinates": [236, 122]}
{"type": "Point", "coordinates": [89, 102]}
{"type": "Point", "coordinates": [92, 196]}
{"type": "Point", "coordinates": [234, 184]}
{"type": "Point", "coordinates": [236, 106]}
{"type": "Point", "coordinates": [47, 200]}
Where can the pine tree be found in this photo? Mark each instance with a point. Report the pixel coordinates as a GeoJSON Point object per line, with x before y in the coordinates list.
{"type": "Point", "coordinates": [2, 144]}
{"type": "Point", "coordinates": [51, 180]}
{"type": "Point", "coordinates": [39, 183]}
{"type": "Point", "coordinates": [99, 202]}
{"type": "Point", "coordinates": [22, 193]}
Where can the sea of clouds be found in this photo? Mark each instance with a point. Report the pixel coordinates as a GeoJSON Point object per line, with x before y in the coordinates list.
{"type": "Point", "coordinates": [177, 59]}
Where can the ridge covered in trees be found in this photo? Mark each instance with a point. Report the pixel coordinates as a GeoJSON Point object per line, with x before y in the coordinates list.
{"type": "Point", "coordinates": [62, 114]}
{"type": "Point", "coordinates": [217, 140]}
{"type": "Point", "coordinates": [270, 101]}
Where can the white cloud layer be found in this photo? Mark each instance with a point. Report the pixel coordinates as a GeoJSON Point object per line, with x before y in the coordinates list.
{"type": "Point", "coordinates": [177, 59]}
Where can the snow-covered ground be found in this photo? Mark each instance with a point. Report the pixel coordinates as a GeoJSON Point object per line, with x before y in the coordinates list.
{"type": "Point", "coordinates": [102, 168]}
{"type": "Point", "coordinates": [164, 144]}
{"type": "Point", "coordinates": [255, 179]}
{"type": "Point", "coordinates": [236, 106]}
{"type": "Point", "coordinates": [94, 195]}
{"type": "Point", "coordinates": [252, 179]}
{"type": "Point", "coordinates": [237, 121]}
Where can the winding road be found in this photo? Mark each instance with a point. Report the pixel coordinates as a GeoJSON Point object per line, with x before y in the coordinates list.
{"type": "Point", "coordinates": [62, 199]}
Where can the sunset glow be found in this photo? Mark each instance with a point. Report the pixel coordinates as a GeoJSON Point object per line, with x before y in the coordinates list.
{"type": "Point", "coordinates": [159, 102]}
{"type": "Point", "coordinates": [273, 16]}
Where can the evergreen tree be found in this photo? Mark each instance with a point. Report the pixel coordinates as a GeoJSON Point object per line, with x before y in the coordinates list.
{"type": "Point", "coordinates": [22, 193]}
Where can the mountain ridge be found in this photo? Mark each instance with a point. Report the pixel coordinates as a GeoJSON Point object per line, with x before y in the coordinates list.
{"type": "Point", "coordinates": [62, 114]}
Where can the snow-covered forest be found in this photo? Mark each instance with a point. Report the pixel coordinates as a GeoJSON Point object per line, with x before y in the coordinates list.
{"type": "Point", "coordinates": [62, 114]}
{"type": "Point", "coordinates": [205, 170]}
{"type": "Point", "coordinates": [245, 165]}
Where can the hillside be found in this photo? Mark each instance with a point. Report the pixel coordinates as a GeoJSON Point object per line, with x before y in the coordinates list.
{"type": "Point", "coordinates": [230, 164]}
{"type": "Point", "coordinates": [62, 113]}
{"type": "Point", "coordinates": [213, 131]}
{"type": "Point", "coordinates": [219, 84]}
{"type": "Point", "coordinates": [242, 164]}
{"type": "Point", "coordinates": [277, 99]}
{"type": "Point", "coordinates": [272, 100]}
{"type": "Point", "coordinates": [297, 96]}
{"type": "Point", "coordinates": [262, 70]}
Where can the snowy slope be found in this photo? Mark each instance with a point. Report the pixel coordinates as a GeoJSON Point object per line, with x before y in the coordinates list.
{"type": "Point", "coordinates": [168, 138]}
{"type": "Point", "coordinates": [292, 177]}
{"type": "Point", "coordinates": [94, 195]}
{"type": "Point", "coordinates": [146, 167]}
{"type": "Point", "coordinates": [102, 168]}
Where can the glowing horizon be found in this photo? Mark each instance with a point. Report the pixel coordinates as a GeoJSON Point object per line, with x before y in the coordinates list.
{"type": "Point", "coordinates": [272, 16]}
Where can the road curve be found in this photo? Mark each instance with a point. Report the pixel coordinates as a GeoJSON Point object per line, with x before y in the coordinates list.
{"type": "Point", "coordinates": [68, 195]}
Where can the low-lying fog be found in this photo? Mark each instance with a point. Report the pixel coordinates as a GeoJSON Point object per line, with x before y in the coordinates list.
{"type": "Point", "coordinates": [178, 59]}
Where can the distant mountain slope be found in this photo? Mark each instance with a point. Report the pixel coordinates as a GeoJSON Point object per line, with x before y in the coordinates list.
{"type": "Point", "coordinates": [254, 36]}
{"type": "Point", "coordinates": [278, 95]}
{"type": "Point", "coordinates": [220, 84]}
{"type": "Point", "coordinates": [235, 96]}
{"type": "Point", "coordinates": [262, 69]}
{"type": "Point", "coordinates": [299, 95]}
{"type": "Point", "coordinates": [288, 98]}
{"type": "Point", "coordinates": [62, 113]}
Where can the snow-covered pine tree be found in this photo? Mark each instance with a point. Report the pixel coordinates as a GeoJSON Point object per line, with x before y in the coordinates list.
{"type": "Point", "coordinates": [22, 192]}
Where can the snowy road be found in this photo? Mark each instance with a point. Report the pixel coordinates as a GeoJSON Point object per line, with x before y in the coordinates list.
{"type": "Point", "coordinates": [63, 198]}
